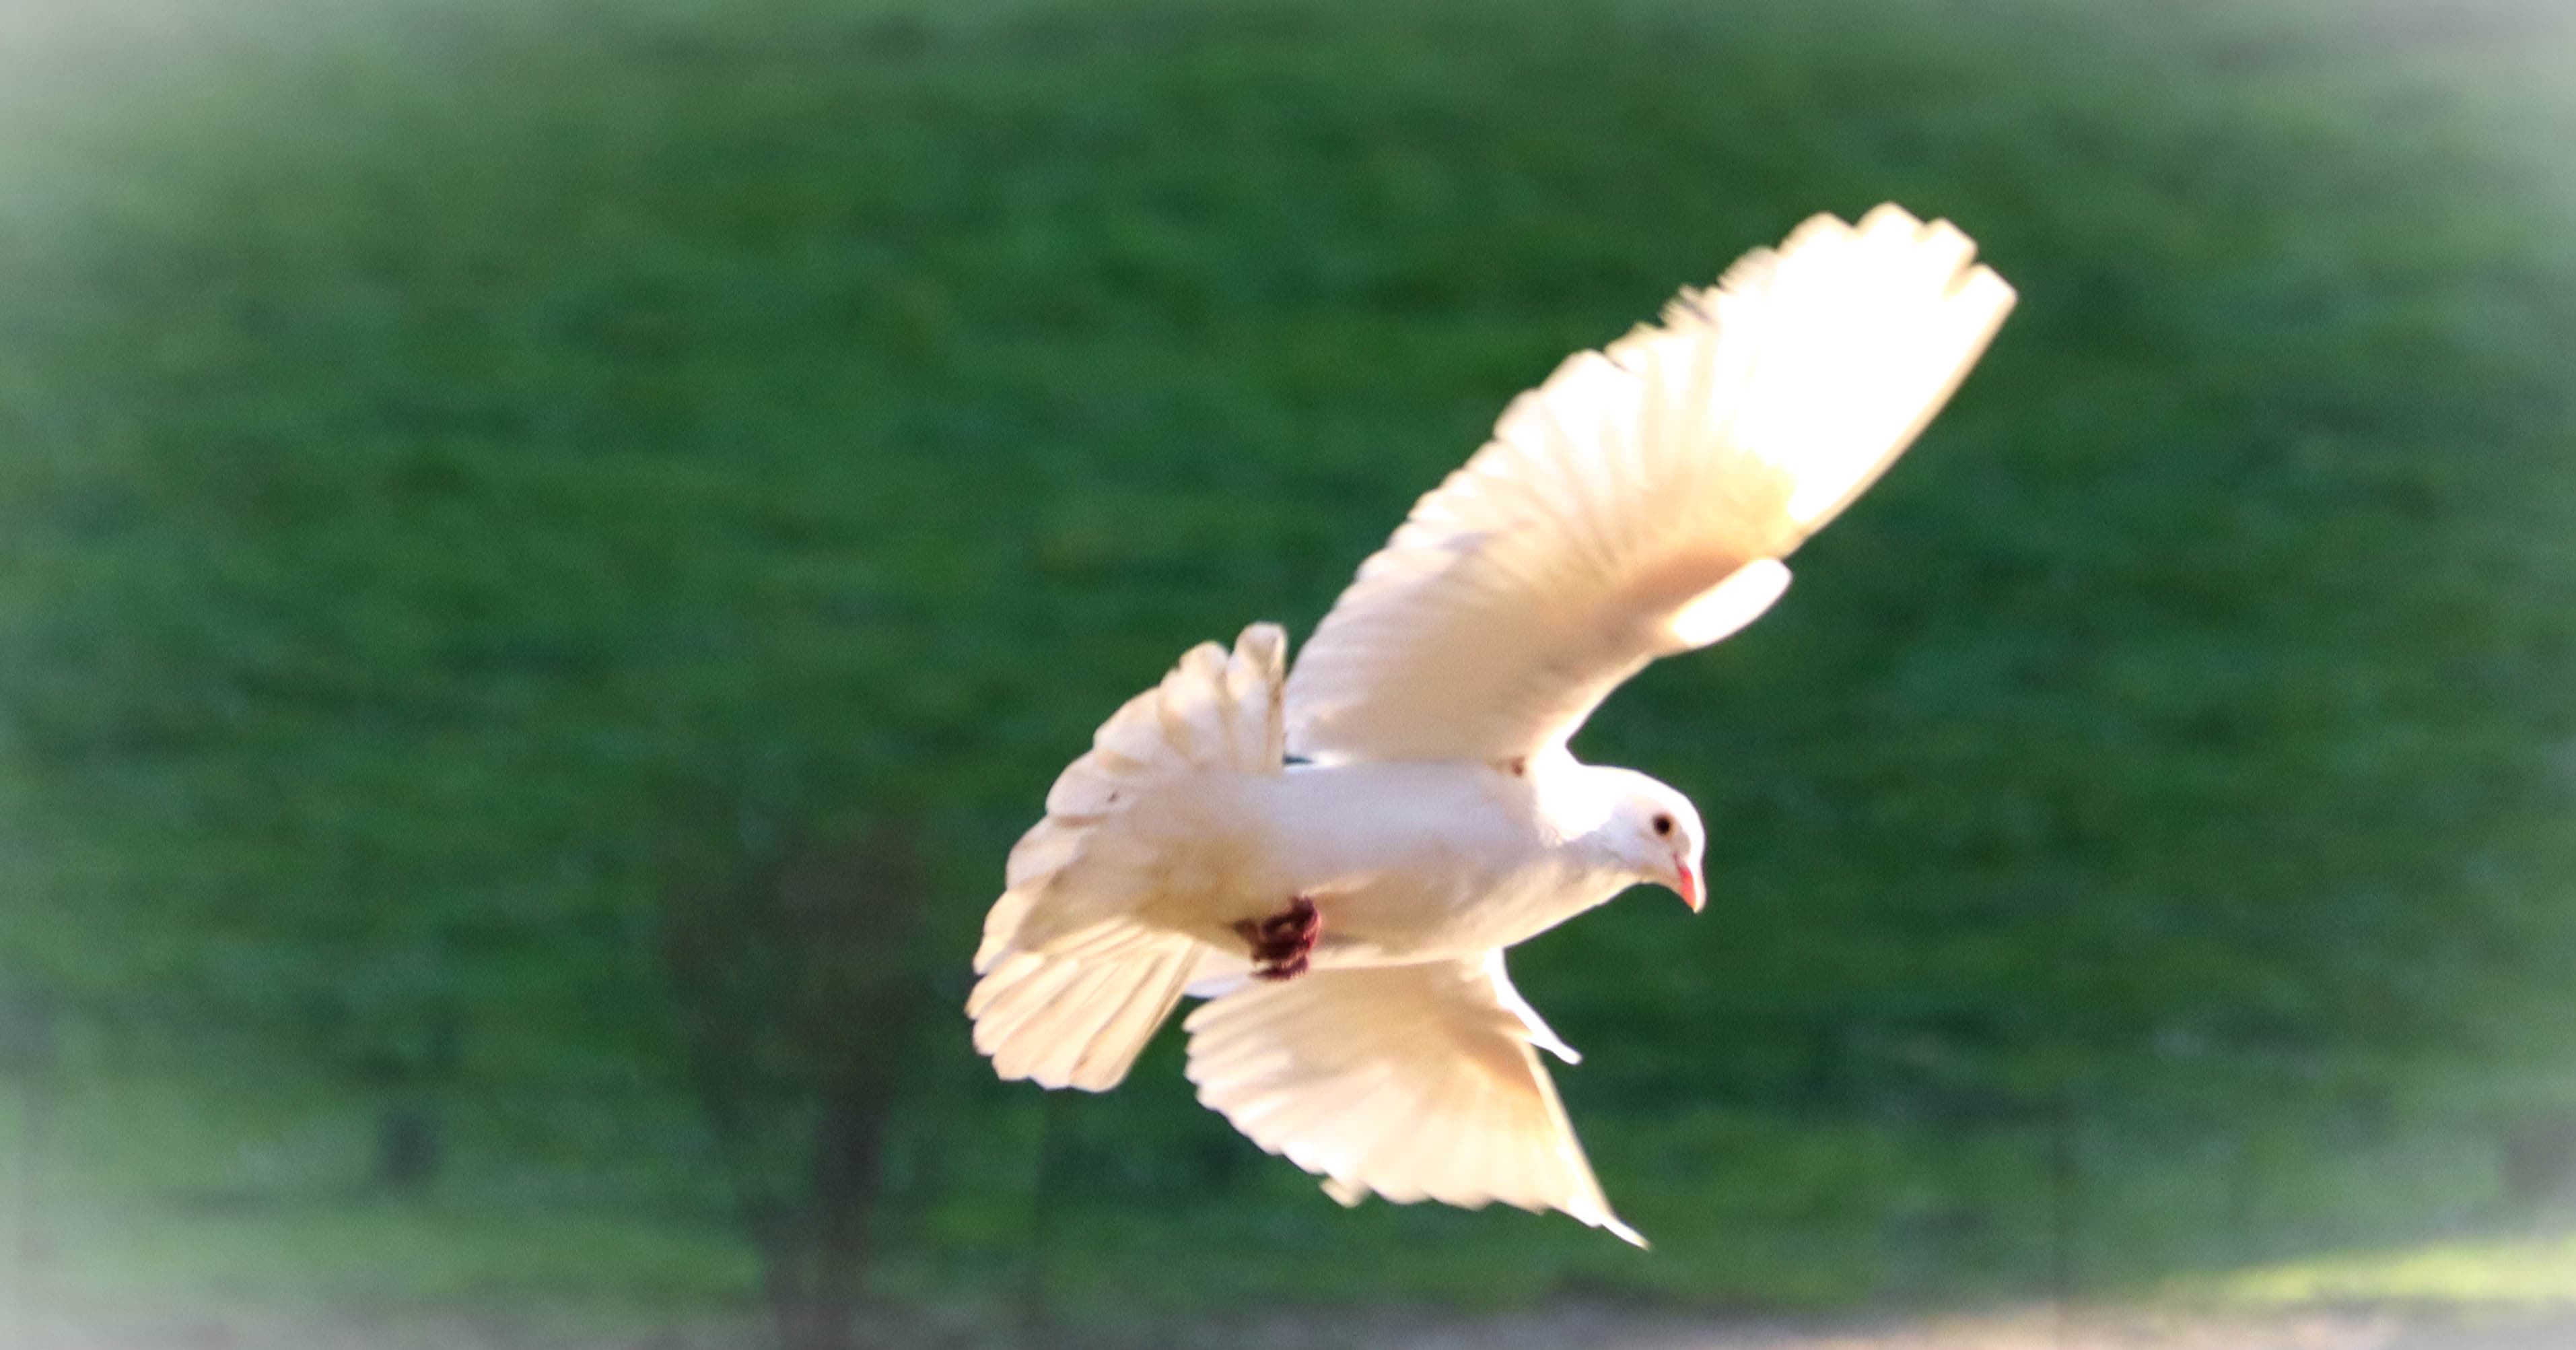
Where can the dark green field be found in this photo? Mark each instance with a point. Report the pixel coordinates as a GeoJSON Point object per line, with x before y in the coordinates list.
{"type": "Point", "coordinates": [475, 476]}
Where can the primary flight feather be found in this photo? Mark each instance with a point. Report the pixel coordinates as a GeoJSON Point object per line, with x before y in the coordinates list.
{"type": "Point", "coordinates": [1336, 856]}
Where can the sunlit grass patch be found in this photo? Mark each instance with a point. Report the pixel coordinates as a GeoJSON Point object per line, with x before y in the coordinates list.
{"type": "Point", "coordinates": [2536, 1270]}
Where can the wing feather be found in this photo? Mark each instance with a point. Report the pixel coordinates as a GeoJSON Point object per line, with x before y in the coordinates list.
{"type": "Point", "coordinates": [1638, 502]}
{"type": "Point", "coordinates": [1413, 1082]}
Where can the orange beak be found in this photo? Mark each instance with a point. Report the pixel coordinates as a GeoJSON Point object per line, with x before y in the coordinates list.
{"type": "Point", "coordinates": [1689, 885]}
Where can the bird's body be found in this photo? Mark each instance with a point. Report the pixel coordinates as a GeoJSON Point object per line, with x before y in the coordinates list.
{"type": "Point", "coordinates": [1345, 911]}
{"type": "Point", "coordinates": [1415, 861]}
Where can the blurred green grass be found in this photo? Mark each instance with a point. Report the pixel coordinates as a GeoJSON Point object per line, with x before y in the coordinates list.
{"type": "Point", "coordinates": [445, 444]}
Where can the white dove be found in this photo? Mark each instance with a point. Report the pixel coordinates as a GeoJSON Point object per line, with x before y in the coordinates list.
{"type": "Point", "coordinates": [1337, 857]}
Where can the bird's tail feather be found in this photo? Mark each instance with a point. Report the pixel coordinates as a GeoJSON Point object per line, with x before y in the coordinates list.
{"type": "Point", "coordinates": [1079, 1017]}
{"type": "Point", "coordinates": [1076, 975]}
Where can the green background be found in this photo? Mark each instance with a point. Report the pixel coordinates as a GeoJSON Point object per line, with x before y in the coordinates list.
{"type": "Point", "coordinates": [472, 471]}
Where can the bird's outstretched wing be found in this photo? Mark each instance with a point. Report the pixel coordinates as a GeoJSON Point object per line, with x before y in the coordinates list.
{"type": "Point", "coordinates": [1415, 1082]}
{"type": "Point", "coordinates": [1638, 503]}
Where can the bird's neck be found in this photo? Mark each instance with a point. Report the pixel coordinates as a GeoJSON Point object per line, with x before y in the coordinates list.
{"type": "Point", "coordinates": [1578, 802]}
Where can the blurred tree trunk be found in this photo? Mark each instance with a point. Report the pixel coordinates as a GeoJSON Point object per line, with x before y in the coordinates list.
{"type": "Point", "coordinates": [412, 1068]}
{"type": "Point", "coordinates": [793, 981]}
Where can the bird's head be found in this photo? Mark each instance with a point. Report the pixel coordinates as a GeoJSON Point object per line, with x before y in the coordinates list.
{"type": "Point", "coordinates": [1655, 832]}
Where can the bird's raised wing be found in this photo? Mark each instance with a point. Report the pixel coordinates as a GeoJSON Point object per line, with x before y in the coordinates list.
{"type": "Point", "coordinates": [1638, 503]}
{"type": "Point", "coordinates": [1415, 1082]}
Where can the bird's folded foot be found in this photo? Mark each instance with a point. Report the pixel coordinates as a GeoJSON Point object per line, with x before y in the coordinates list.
{"type": "Point", "coordinates": [1283, 944]}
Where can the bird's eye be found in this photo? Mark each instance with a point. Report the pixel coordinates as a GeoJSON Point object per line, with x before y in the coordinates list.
{"type": "Point", "coordinates": [1663, 825]}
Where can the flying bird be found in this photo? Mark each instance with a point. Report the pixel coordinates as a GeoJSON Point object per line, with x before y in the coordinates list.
{"type": "Point", "coordinates": [1337, 856]}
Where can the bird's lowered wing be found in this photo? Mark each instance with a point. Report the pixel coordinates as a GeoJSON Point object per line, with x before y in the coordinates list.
{"type": "Point", "coordinates": [1637, 504]}
{"type": "Point", "coordinates": [1415, 1082]}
